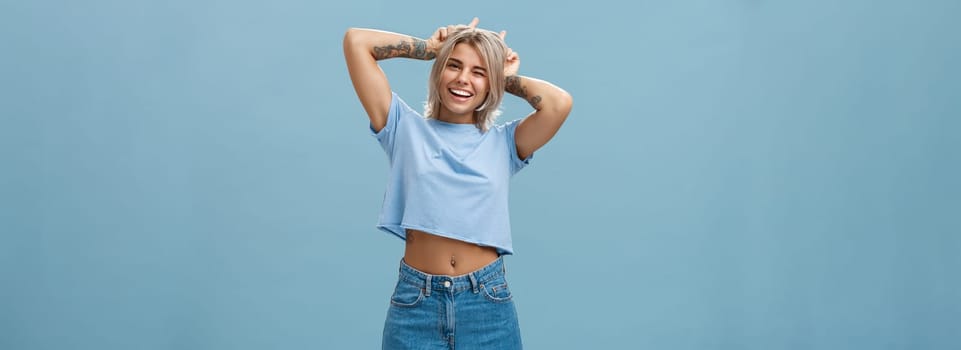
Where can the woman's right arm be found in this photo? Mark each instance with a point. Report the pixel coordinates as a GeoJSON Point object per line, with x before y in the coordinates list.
{"type": "Point", "coordinates": [362, 49]}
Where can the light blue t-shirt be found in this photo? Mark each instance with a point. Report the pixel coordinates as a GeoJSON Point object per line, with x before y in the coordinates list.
{"type": "Point", "coordinates": [451, 180]}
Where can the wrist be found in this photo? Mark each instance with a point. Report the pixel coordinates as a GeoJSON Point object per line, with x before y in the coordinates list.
{"type": "Point", "coordinates": [422, 49]}
{"type": "Point", "coordinates": [512, 85]}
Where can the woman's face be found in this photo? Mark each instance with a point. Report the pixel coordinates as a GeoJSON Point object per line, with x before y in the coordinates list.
{"type": "Point", "coordinates": [463, 84]}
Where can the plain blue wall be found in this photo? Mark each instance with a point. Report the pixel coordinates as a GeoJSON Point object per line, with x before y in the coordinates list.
{"type": "Point", "coordinates": [735, 174]}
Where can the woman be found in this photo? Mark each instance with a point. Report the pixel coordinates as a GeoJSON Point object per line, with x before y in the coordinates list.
{"type": "Point", "coordinates": [448, 180]}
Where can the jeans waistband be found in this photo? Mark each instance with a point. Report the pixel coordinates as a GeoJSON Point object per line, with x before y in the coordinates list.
{"type": "Point", "coordinates": [470, 280]}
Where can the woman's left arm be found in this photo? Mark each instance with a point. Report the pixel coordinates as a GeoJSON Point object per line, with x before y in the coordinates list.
{"type": "Point", "coordinates": [551, 107]}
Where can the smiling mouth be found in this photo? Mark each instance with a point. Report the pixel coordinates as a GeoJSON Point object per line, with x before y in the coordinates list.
{"type": "Point", "coordinates": [463, 94]}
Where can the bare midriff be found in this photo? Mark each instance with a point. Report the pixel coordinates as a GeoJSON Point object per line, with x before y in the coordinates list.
{"type": "Point", "coordinates": [438, 255]}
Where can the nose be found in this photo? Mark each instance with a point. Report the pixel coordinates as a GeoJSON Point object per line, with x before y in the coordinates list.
{"type": "Point", "coordinates": [462, 77]}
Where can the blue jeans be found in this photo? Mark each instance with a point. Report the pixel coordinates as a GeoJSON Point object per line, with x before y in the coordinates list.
{"type": "Point", "coordinates": [472, 311]}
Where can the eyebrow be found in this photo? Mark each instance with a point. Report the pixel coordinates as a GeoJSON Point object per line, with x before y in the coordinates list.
{"type": "Point", "coordinates": [462, 63]}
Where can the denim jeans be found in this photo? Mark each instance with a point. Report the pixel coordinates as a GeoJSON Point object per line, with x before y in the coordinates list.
{"type": "Point", "coordinates": [471, 311]}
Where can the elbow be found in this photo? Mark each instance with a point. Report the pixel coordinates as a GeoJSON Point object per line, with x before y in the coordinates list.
{"type": "Point", "coordinates": [567, 101]}
{"type": "Point", "coordinates": [349, 36]}
{"type": "Point", "coordinates": [564, 103]}
{"type": "Point", "coordinates": [354, 42]}
{"type": "Point", "coordinates": [356, 37]}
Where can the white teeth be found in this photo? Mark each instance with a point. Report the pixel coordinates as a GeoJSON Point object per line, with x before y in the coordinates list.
{"type": "Point", "coordinates": [460, 93]}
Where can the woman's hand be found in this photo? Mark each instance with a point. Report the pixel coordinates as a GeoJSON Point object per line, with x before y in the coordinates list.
{"type": "Point", "coordinates": [437, 39]}
{"type": "Point", "coordinates": [512, 63]}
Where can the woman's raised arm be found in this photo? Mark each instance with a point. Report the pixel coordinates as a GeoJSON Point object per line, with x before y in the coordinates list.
{"type": "Point", "coordinates": [364, 47]}
{"type": "Point", "coordinates": [551, 107]}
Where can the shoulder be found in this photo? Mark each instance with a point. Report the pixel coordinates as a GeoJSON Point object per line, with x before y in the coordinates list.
{"type": "Point", "coordinates": [397, 104]}
{"type": "Point", "coordinates": [400, 111]}
{"type": "Point", "coordinates": [506, 128]}
{"type": "Point", "coordinates": [400, 116]}
{"type": "Point", "coordinates": [400, 108]}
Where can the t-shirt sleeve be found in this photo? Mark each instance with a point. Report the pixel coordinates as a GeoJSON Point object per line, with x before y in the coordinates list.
{"type": "Point", "coordinates": [516, 162]}
{"type": "Point", "coordinates": [386, 135]}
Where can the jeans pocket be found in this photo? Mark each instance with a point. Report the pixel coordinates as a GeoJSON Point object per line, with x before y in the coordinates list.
{"type": "Point", "coordinates": [406, 294]}
{"type": "Point", "coordinates": [496, 290]}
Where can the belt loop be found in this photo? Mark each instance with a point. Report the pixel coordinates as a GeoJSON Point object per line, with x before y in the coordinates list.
{"type": "Point", "coordinates": [428, 288]}
{"type": "Point", "coordinates": [473, 281]}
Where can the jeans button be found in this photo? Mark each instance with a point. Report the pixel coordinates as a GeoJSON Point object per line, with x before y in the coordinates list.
{"type": "Point", "coordinates": [446, 284]}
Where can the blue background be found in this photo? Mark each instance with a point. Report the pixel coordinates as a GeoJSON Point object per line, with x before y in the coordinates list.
{"type": "Point", "coordinates": [734, 175]}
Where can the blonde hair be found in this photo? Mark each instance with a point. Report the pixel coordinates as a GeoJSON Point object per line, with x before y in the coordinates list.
{"type": "Point", "coordinates": [492, 50]}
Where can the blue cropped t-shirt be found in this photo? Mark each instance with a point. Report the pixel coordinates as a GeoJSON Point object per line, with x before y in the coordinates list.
{"type": "Point", "coordinates": [451, 180]}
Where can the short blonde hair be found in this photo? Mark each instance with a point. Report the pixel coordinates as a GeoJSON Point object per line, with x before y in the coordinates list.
{"type": "Point", "coordinates": [493, 51]}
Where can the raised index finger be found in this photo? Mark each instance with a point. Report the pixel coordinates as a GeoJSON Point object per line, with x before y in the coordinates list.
{"type": "Point", "coordinates": [473, 22]}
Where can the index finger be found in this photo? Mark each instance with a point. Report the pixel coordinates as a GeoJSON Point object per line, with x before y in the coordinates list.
{"type": "Point", "coordinates": [473, 22]}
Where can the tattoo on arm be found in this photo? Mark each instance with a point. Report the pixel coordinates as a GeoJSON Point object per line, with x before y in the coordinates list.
{"type": "Point", "coordinates": [514, 87]}
{"type": "Point", "coordinates": [420, 50]}
{"type": "Point", "coordinates": [412, 48]}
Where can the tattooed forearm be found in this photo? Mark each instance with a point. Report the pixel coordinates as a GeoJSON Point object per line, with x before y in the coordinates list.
{"type": "Point", "coordinates": [413, 48]}
{"type": "Point", "coordinates": [420, 50]}
{"type": "Point", "coordinates": [514, 87]}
